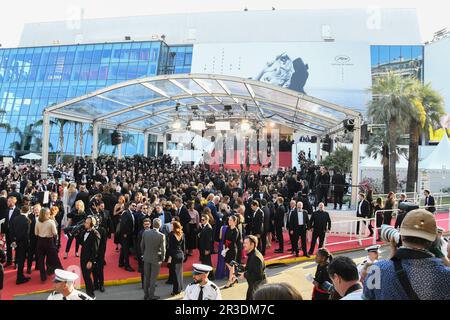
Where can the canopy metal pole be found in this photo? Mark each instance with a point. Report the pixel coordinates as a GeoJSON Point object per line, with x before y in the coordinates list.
{"type": "Point", "coordinates": [119, 151]}
{"type": "Point", "coordinates": [146, 135]}
{"type": "Point", "coordinates": [95, 140]}
{"type": "Point", "coordinates": [355, 161]}
{"type": "Point", "coordinates": [45, 144]}
{"type": "Point", "coordinates": [318, 150]}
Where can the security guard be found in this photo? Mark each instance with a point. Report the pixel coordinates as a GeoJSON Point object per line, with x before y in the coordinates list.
{"type": "Point", "coordinates": [64, 287]}
{"type": "Point", "coordinates": [202, 288]}
{"type": "Point", "coordinates": [372, 257]}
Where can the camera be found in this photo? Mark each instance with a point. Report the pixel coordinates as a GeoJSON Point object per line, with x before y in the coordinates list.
{"type": "Point", "coordinates": [327, 286]}
{"type": "Point", "coordinates": [388, 233]}
{"type": "Point", "coordinates": [76, 230]}
{"type": "Point", "coordinates": [238, 268]}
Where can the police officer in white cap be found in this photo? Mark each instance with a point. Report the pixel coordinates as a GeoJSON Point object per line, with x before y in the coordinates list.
{"type": "Point", "coordinates": [64, 287]}
{"type": "Point", "coordinates": [373, 253]}
{"type": "Point", "coordinates": [202, 288]}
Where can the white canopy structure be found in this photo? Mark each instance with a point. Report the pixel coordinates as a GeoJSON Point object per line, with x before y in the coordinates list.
{"type": "Point", "coordinates": [31, 156]}
{"type": "Point", "coordinates": [439, 159]}
{"type": "Point", "coordinates": [150, 105]}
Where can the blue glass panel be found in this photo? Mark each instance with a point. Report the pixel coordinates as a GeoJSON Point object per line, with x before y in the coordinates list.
{"type": "Point", "coordinates": [384, 54]}
{"type": "Point", "coordinates": [406, 52]}
{"type": "Point", "coordinates": [93, 107]}
{"type": "Point", "coordinates": [374, 56]}
{"type": "Point", "coordinates": [394, 53]}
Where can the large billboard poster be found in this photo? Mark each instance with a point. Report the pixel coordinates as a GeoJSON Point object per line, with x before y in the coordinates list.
{"type": "Point", "coordinates": [335, 72]}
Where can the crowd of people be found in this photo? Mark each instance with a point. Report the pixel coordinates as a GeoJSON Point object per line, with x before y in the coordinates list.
{"type": "Point", "coordinates": [158, 211]}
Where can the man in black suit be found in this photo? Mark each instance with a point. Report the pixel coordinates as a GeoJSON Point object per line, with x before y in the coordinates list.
{"type": "Point", "coordinates": [279, 223]}
{"type": "Point", "coordinates": [54, 202]}
{"type": "Point", "coordinates": [11, 212]}
{"type": "Point", "coordinates": [323, 184]}
{"type": "Point", "coordinates": [257, 222]}
{"type": "Point", "coordinates": [20, 236]}
{"type": "Point", "coordinates": [183, 213]}
{"type": "Point", "coordinates": [205, 243]}
{"type": "Point", "coordinates": [338, 182]}
{"type": "Point", "coordinates": [127, 224]}
{"type": "Point", "coordinates": [31, 255]}
{"type": "Point", "coordinates": [298, 224]}
{"type": "Point", "coordinates": [292, 209]}
{"type": "Point", "coordinates": [363, 211]}
{"type": "Point", "coordinates": [17, 195]}
{"type": "Point", "coordinates": [320, 223]}
{"type": "Point", "coordinates": [429, 201]}
{"type": "Point", "coordinates": [90, 241]}
{"type": "Point", "coordinates": [266, 225]}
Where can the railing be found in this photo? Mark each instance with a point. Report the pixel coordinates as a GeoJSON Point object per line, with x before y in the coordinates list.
{"type": "Point", "coordinates": [351, 231]}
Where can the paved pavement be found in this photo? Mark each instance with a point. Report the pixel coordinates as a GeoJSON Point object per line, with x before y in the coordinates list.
{"type": "Point", "coordinates": [293, 274]}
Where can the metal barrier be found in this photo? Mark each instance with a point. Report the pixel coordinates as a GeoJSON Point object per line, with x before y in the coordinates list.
{"type": "Point", "coordinates": [353, 237]}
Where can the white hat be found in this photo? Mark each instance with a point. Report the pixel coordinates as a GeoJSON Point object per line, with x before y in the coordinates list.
{"type": "Point", "coordinates": [201, 268]}
{"type": "Point", "coordinates": [64, 276]}
{"type": "Point", "coordinates": [374, 248]}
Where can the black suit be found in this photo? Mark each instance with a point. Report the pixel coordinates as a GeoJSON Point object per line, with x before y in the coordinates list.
{"type": "Point", "coordinates": [266, 228]}
{"type": "Point", "coordinates": [90, 241]}
{"type": "Point", "coordinates": [254, 272]}
{"type": "Point", "coordinates": [7, 231]}
{"type": "Point", "coordinates": [320, 223]}
{"type": "Point", "coordinates": [257, 226]}
{"type": "Point", "coordinates": [31, 256]}
{"type": "Point", "coordinates": [20, 234]}
{"type": "Point", "coordinates": [279, 224]}
{"type": "Point", "coordinates": [100, 260]}
{"type": "Point", "coordinates": [429, 204]}
{"type": "Point", "coordinates": [127, 224]}
{"type": "Point", "coordinates": [298, 230]}
{"type": "Point", "coordinates": [363, 211]}
{"type": "Point", "coordinates": [205, 242]}
{"type": "Point", "coordinates": [338, 182]}
{"type": "Point", "coordinates": [185, 218]}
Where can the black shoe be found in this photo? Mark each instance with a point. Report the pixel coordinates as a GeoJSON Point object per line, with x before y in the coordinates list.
{"type": "Point", "coordinates": [306, 255]}
{"type": "Point", "coordinates": [278, 251]}
{"type": "Point", "coordinates": [121, 265]}
{"type": "Point", "coordinates": [310, 253]}
{"type": "Point", "coordinates": [296, 254]}
{"type": "Point", "coordinates": [102, 289]}
{"type": "Point", "coordinates": [129, 269]}
{"type": "Point", "coordinates": [169, 282]}
{"type": "Point", "coordinates": [8, 264]}
{"type": "Point", "coordinates": [175, 293]}
{"type": "Point", "coordinates": [29, 270]}
{"type": "Point", "coordinates": [96, 288]}
{"type": "Point", "coordinates": [24, 280]}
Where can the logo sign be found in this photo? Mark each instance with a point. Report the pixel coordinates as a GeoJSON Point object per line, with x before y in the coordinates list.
{"type": "Point", "coordinates": [342, 59]}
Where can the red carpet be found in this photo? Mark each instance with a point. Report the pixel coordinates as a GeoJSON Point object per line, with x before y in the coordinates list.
{"type": "Point", "coordinates": [114, 273]}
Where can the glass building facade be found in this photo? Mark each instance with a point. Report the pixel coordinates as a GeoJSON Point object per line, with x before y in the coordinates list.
{"type": "Point", "coordinates": [33, 78]}
{"type": "Point", "coordinates": [404, 60]}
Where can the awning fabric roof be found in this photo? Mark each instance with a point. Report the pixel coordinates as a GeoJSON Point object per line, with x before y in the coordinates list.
{"type": "Point", "coordinates": [439, 159]}
{"type": "Point", "coordinates": [149, 104]}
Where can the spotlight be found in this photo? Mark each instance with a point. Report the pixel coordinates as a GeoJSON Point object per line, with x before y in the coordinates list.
{"type": "Point", "coordinates": [272, 124]}
{"type": "Point", "coordinates": [198, 125]}
{"type": "Point", "coordinates": [176, 124]}
{"type": "Point", "coordinates": [227, 108]}
{"type": "Point", "coordinates": [194, 107]}
{"type": "Point", "coordinates": [245, 125]}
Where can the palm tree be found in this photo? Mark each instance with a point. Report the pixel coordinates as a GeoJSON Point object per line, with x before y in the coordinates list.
{"type": "Point", "coordinates": [392, 98]}
{"type": "Point", "coordinates": [426, 109]}
{"type": "Point", "coordinates": [3, 125]}
{"type": "Point", "coordinates": [60, 123]}
{"type": "Point", "coordinates": [377, 147]}
{"type": "Point", "coordinates": [24, 145]}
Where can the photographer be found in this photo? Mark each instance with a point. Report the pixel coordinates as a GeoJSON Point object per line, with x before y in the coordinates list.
{"type": "Point", "coordinates": [255, 267]}
{"type": "Point", "coordinates": [344, 274]}
{"type": "Point", "coordinates": [76, 216]}
{"type": "Point", "coordinates": [90, 241]}
{"type": "Point", "coordinates": [413, 272]}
